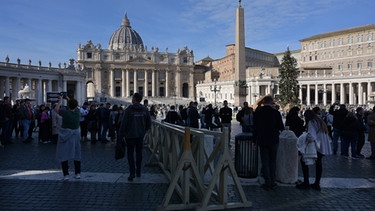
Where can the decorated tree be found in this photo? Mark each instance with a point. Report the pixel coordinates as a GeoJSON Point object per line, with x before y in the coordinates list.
{"type": "Point", "coordinates": [288, 83]}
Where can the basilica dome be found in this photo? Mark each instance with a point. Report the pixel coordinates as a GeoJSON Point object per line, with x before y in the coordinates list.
{"type": "Point", "coordinates": [125, 36]}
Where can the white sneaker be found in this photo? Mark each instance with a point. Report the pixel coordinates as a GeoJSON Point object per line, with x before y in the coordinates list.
{"type": "Point", "coordinates": [77, 176]}
{"type": "Point", "coordinates": [65, 178]}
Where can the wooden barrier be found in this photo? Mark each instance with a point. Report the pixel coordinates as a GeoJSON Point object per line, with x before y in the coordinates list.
{"type": "Point", "coordinates": [199, 176]}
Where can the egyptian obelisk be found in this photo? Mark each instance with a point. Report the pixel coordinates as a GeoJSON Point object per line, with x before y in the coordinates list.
{"type": "Point", "coordinates": [239, 56]}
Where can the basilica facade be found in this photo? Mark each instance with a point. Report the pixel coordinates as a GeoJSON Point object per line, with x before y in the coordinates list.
{"type": "Point", "coordinates": [128, 66]}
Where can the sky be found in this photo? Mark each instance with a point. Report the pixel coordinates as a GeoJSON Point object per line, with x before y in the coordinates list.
{"type": "Point", "coordinates": [50, 31]}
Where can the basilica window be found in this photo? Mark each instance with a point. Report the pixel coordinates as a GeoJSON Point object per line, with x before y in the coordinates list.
{"type": "Point", "coordinates": [89, 55]}
{"type": "Point", "coordinates": [369, 64]}
{"type": "Point", "coordinates": [350, 39]}
{"type": "Point", "coordinates": [185, 60]}
{"type": "Point", "coordinates": [117, 56]}
{"type": "Point", "coordinates": [89, 74]}
{"type": "Point", "coordinates": [359, 38]}
{"type": "Point", "coordinates": [140, 75]}
{"type": "Point", "coordinates": [339, 67]}
{"type": "Point", "coordinates": [118, 74]}
{"type": "Point", "coordinates": [359, 66]}
{"type": "Point", "coordinates": [350, 66]}
{"type": "Point", "coordinates": [369, 36]}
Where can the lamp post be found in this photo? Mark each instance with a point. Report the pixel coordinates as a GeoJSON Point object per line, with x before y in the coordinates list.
{"type": "Point", "coordinates": [214, 88]}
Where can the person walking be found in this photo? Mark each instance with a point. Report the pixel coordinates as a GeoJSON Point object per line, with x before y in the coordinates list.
{"type": "Point", "coordinates": [69, 141]}
{"type": "Point", "coordinates": [193, 116]}
{"type": "Point", "coordinates": [226, 117]}
{"type": "Point", "coordinates": [27, 116]}
{"type": "Point", "coordinates": [361, 134]}
{"type": "Point", "coordinates": [371, 133]}
{"type": "Point", "coordinates": [317, 132]}
{"type": "Point", "coordinates": [135, 124]}
{"type": "Point", "coordinates": [241, 114]}
{"type": "Point", "coordinates": [92, 123]}
{"type": "Point", "coordinates": [83, 122]}
{"type": "Point", "coordinates": [267, 126]}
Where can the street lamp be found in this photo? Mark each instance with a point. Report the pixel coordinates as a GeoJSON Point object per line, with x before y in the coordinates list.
{"type": "Point", "coordinates": [215, 89]}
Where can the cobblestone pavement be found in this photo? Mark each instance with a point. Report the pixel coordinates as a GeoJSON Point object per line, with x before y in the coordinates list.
{"type": "Point", "coordinates": [30, 180]}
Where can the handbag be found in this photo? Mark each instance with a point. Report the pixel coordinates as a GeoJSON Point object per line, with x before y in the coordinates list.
{"type": "Point", "coordinates": [120, 149]}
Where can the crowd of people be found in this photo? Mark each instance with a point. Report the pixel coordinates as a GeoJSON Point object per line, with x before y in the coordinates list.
{"type": "Point", "coordinates": [108, 123]}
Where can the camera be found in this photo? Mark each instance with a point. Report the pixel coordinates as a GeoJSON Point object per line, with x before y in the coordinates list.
{"type": "Point", "coordinates": [63, 95]}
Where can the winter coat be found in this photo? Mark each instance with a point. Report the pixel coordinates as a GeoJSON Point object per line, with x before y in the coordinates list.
{"type": "Point", "coordinates": [371, 124]}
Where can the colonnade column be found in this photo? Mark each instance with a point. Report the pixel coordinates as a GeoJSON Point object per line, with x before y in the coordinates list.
{"type": "Point", "coordinates": [157, 77]}
{"type": "Point", "coordinates": [342, 93]}
{"type": "Point", "coordinates": [308, 94]}
{"type": "Point", "coordinates": [80, 93]}
{"type": "Point", "coordinates": [333, 93]}
{"type": "Point", "coordinates": [39, 92]}
{"type": "Point", "coordinates": [369, 90]}
{"type": "Point", "coordinates": [146, 84]}
{"type": "Point", "coordinates": [316, 95]}
{"type": "Point", "coordinates": [324, 94]}
{"type": "Point", "coordinates": [6, 87]}
{"type": "Point", "coordinates": [300, 92]}
{"type": "Point", "coordinates": [153, 83]}
{"type": "Point", "coordinates": [351, 94]}
{"type": "Point", "coordinates": [360, 94]}
{"type": "Point", "coordinates": [178, 82]}
{"type": "Point", "coordinates": [135, 81]}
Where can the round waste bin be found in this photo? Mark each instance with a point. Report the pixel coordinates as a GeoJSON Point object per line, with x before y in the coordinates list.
{"type": "Point", "coordinates": [245, 156]}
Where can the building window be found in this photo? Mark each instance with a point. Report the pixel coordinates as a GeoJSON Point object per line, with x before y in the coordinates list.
{"type": "Point", "coordinates": [369, 64]}
{"type": "Point", "coordinates": [369, 37]}
{"type": "Point", "coordinates": [340, 41]}
{"type": "Point", "coordinates": [117, 74]}
{"type": "Point", "coordinates": [340, 67]}
{"type": "Point", "coordinates": [350, 39]}
{"type": "Point", "coordinates": [360, 38]}
{"type": "Point", "coordinates": [117, 56]}
{"type": "Point", "coordinates": [140, 75]}
{"type": "Point", "coordinates": [185, 60]}
{"type": "Point", "coordinates": [89, 55]}
{"type": "Point", "coordinates": [350, 66]}
{"type": "Point", "coordinates": [359, 66]}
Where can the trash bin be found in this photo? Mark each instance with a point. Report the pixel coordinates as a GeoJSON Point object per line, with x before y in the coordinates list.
{"type": "Point", "coordinates": [245, 156]}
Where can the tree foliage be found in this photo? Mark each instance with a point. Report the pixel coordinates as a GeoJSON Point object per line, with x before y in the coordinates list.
{"type": "Point", "coordinates": [288, 83]}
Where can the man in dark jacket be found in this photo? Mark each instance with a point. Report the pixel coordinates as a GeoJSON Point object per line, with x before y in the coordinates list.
{"type": "Point", "coordinates": [193, 116]}
{"type": "Point", "coordinates": [135, 123]}
{"type": "Point", "coordinates": [338, 119]}
{"type": "Point", "coordinates": [267, 127]}
{"type": "Point", "coordinates": [226, 117]}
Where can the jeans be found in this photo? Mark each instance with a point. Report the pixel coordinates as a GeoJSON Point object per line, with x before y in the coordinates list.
{"type": "Point", "coordinates": [336, 136]}
{"type": "Point", "coordinates": [349, 142]}
{"type": "Point", "coordinates": [65, 167]}
{"type": "Point", "coordinates": [26, 125]}
{"type": "Point", "coordinates": [268, 156]}
{"type": "Point", "coordinates": [137, 146]}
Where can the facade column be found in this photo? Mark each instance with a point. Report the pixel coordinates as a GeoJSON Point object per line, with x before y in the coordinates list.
{"type": "Point", "coordinates": [166, 83]}
{"type": "Point", "coordinates": [351, 94]}
{"type": "Point", "coordinates": [308, 95]}
{"type": "Point", "coordinates": [324, 94]}
{"type": "Point", "coordinates": [123, 86]}
{"type": "Point", "coordinates": [157, 77]}
{"type": "Point", "coordinates": [146, 83]}
{"type": "Point", "coordinates": [342, 93]}
{"type": "Point", "coordinates": [360, 94]}
{"type": "Point", "coordinates": [111, 83]}
{"type": "Point", "coordinates": [333, 94]}
{"type": "Point", "coordinates": [135, 81]}
{"type": "Point", "coordinates": [18, 86]}
{"type": "Point", "coordinates": [178, 82]}
{"type": "Point", "coordinates": [127, 83]}
{"type": "Point", "coordinates": [153, 83]}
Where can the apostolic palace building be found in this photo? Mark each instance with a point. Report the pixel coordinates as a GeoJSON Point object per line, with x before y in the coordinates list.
{"type": "Point", "coordinates": [334, 67]}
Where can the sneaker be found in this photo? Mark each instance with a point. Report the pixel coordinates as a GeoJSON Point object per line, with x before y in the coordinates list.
{"type": "Point", "coordinates": [266, 187]}
{"type": "Point", "coordinates": [77, 176]}
{"type": "Point", "coordinates": [65, 178]}
{"type": "Point", "coordinates": [131, 177]}
{"type": "Point", "coordinates": [360, 156]}
{"type": "Point", "coordinates": [303, 186]}
{"type": "Point", "coordinates": [315, 186]}
{"type": "Point", "coordinates": [274, 186]}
